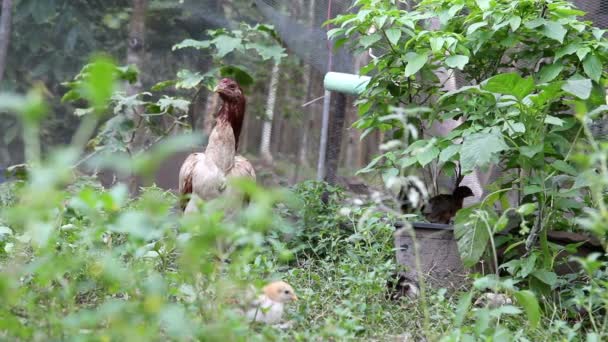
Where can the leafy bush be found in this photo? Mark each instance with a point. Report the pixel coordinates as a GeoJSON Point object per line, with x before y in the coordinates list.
{"type": "Point", "coordinates": [534, 82]}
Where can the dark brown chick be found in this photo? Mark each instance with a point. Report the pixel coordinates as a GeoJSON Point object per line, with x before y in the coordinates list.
{"type": "Point", "coordinates": [442, 208]}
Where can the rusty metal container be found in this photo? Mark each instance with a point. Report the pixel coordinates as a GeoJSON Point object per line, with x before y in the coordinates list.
{"type": "Point", "coordinates": [440, 263]}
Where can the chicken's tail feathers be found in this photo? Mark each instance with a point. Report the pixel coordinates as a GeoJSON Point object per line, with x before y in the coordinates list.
{"type": "Point", "coordinates": [412, 194]}
{"type": "Point", "coordinates": [186, 174]}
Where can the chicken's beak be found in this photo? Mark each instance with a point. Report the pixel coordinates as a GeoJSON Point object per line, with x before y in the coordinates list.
{"type": "Point", "coordinates": [295, 298]}
{"type": "Point", "coordinates": [216, 89]}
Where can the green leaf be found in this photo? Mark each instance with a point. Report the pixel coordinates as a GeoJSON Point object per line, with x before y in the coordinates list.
{"type": "Point", "coordinates": [191, 43]}
{"type": "Point", "coordinates": [436, 44]}
{"type": "Point", "coordinates": [532, 24]}
{"type": "Point", "coordinates": [188, 80]}
{"type": "Point", "coordinates": [380, 21]}
{"type": "Point", "coordinates": [567, 50]}
{"type": "Point", "coordinates": [510, 84]}
{"type": "Point", "coordinates": [552, 120]}
{"type": "Point", "coordinates": [226, 44]}
{"type": "Point", "coordinates": [483, 4]}
{"type": "Point", "coordinates": [578, 88]}
{"type": "Point", "coordinates": [457, 61]}
{"type": "Point", "coordinates": [393, 35]}
{"type": "Point", "coordinates": [334, 32]}
{"type": "Point", "coordinates": [427, 155]}
{"type": "Point", "coordinates": [564, 167]}
{"type": "Point", "coordinates": [415, 62]}
{"type": "Point", "coordinates": [168, 102]}
{"type": "Point", "coordinates": [555, 30]}
{"type": "Point", "coordinates": [239, 75]}
{"type": "Point", "coordinates": [530, 151]}
{"type": "Point", "coordinates": [163, 85]}
{"type": "Point", "coordinates": [369, 40]}
{"type": "Point", "coordinates": [474, 27]}
{"type": "Point", "coordinates": [593, 67]}
{"type": "Point", "coordinates": [99, 82]}
{"type": "Point", "coordinates": [550, 71]}
{"type": "Point", "coordinates": [480, 149]}
{"type": "Point", "coordinates": [532, 189]}
{"type": "Point", "coordinates": [472, 234]}
{"type": "Point", "coordinates": [267, 52]}
{"type": "Point", "coordinates": [372, 165]}
{"type": "Point", "coordinates": [464, 303]}
{"type": "Point", "coordinates": [527, 209]}
{"type": "Point", "coordinates": [598, 33]}
{"type": "Point", "coordinates": [528, 301]}
{"type": "Point", "coordinates": [502, 223]}
{"type": "Point", "coordinates": [515, 22]}
{"type": "Point", "coordinates": [546, 277]}
{"type": "Point", "coordinates": [582, 52]}
{"type": "Point", "coordinates": [449, 152]}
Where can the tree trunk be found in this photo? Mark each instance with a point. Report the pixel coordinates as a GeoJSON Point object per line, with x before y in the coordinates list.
{"type": "Point", "coordinates": [307, 121]}
{"type": "Point", "coordinates": [135, 56]}
{"type": "Point", "coordinates": [302, 158]}
{"type": "Point", "coordinates": [334, 137]}
{"type": "Point", "coordinates": [270, 102]}
{"type": "Point", "coordinates": [5, 34]}
{"type": "Point", "coordinates": [136, 44]}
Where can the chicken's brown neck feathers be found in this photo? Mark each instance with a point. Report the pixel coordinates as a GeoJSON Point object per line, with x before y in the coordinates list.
{"type": "Point", "coordinates": [233, 111]}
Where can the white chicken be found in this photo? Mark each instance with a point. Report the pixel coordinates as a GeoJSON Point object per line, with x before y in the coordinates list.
{"type": "Point", "coordinates": [269, 306]}
{"type": "Point", "coordinates": [204, 175]}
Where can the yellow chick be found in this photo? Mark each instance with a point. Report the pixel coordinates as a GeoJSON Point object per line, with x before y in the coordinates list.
{"type": "Point", "coordinates": [268, 307]}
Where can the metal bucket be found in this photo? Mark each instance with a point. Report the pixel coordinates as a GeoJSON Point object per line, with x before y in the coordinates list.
{"type": "Point", "coordinates": [440, 264]}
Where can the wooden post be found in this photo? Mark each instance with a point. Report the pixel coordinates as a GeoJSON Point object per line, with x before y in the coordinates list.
{"type": "Point", "coordinates": [5, 33]}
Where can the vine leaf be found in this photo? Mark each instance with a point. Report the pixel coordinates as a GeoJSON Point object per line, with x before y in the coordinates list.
{"type": "Point", "coordinates": [472, 233]}
{"type": "Point", "coordinates": [393, 35]}
{"type": "Point", "coordinates": [593, 67]}
{"type": "Point", "coordinates": [457, 61]}
{"type": "Point", "coordinates": [510, 84]}
{"type": "Point", "coordinates": [528, 301]}
{"type": "Point", "coordinates": [480, 149]}
{"type": "Point", "coordinates": [415, 62]}
{"type": "Point", "coordinates": [578, 88]}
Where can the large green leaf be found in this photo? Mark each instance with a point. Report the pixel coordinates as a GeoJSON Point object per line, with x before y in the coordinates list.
{"type": "Point", "coordinates": [188, 79]}
{"type": "Point", "coordinates": [239, 74]}
{"type": "Point", "coordinates": [449, 152]}
{"type": "Point", "coordinates": [480, 149]}
{"type": "Point", "coordinates": [276, 52]}
{"type": "Point", "coordinates": [191, 43]}
{"type": "Point", "coordinates": [436, 43]}
{"type": "Point", "coordinates": [393, 35]}
{"type": "Point", "coordinates": [226, 44]}
{"type": "Point", "coordinates": [427, 155]}
{"type": "Point", "coordinates": [510, 84]}
{"type": "Point", "coordinates": [457, 61]}
{"type": "Point", "coordinates": [528, 301]}
{"type": "Point", "coordinates": [578, 88]}
{"type": "Point", "coordinates": [99, 82]}
{"type": "Point", "coordinates": [370, 40]}
{"type": "Point", "coordinates": [593, 67]}
{"type": "Point", "coordinates": [472, 233]}
{"type": "Point", "coordinates": [550, 71]}
{"type": "Point", "coordinates": [415, 62]}
{"type": "Point", "coordinates": [555, 30]}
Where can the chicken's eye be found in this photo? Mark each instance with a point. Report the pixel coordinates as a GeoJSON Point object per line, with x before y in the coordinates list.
{"type": "Point", "coordinates": [286, 291]}
{"type": "Point", "coordinates": [232, 86]}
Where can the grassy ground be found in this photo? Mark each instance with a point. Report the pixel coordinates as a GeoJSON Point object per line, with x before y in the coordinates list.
{"type": "Point", "coordinates": [111, 269]}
